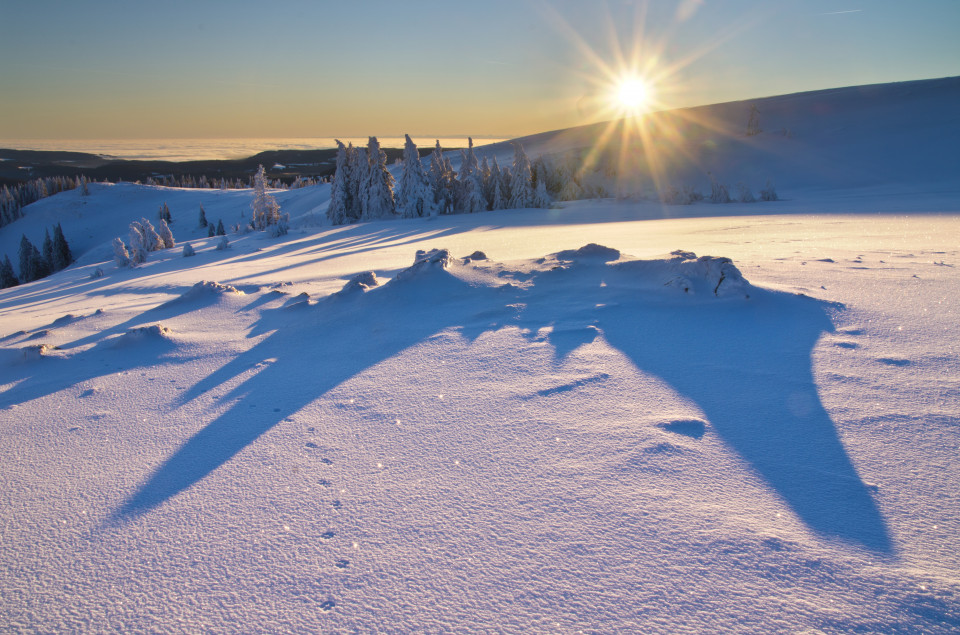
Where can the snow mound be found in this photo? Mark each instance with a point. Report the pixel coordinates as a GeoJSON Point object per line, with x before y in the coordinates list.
{"type": "Point", "coordinates": [206, 290]}
{"type": "Point", "coordinates": [69, 318]}
{"type": "Point", "coordinates": [141, 334]}
{"type": "Point", "coordinates": [477, 255]}
{"type": "Point", "coordinates": [590, 251]}
{"type": "Point", "coordinates": [425, 261]}
{"type": "Point", "coordinates": [37, 351]}
{"type": "Point", "coordinates": [360, 282]}
{"type": "Point", "coordinates": [684, 271]}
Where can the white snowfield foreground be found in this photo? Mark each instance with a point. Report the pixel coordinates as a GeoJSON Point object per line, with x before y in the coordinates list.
{"type": "Point", "coordinates": [515, 421]}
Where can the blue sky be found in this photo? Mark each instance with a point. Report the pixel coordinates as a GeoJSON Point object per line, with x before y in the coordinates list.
{"type": "Point", "coordinates": [105, 69]}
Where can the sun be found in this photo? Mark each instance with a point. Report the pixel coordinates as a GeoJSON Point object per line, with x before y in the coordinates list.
{"type": "Point", "coordinates": [632, 94]}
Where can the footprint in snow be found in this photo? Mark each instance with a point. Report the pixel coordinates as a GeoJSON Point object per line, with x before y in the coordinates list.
{"type": "Point", "coordinates": [324, 482]}
{"type": "Point", "coordinates": [893, 361]}
{"type": "Point", "coordinates": [693, 428]}
{"type": "Point", "coordinates": [327, 606]}
{"type": "Point", "coordinates": [341, 564]}
{"type": "Point", "coordinates": [337, 504]}
{"type": "Point", "coordinates": [327, 535]}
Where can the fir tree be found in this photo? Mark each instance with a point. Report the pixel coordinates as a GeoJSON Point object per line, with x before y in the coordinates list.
{"type": "Point", "coordinates": [266, 210]}
{"type": "Point", "coordinates": [151, 239]}
{"type": "Point", "coordinates": [211, 231]}
{"type": "Point", "coordinates": [40, 265]}
{"type": "Point", "coordinates": [377, 188]}
{"type": "Point", "coordinates": [7, 277]}
{"type": "Point", "coordinates": [220, 230]}
{"type": "Point", "coordinates": [540, 197]}
{"type": "Point", "coordinates": [138, 247]}
{"type": "Point", "coordinates": [48, 249]}
{"type": "Point", "coordinates": [521, 192]}
{"type": "Point", "coordinates": [357, 167]}
{"type": "Point", "coordinates": [120, 254]}
{"type": "Point", "coordinates": [62, 257]}
{"type": "Point", "coordinates": [471, 197]}
{"type": "Point", "coordinates": [438, 178]}
{"type": "Point", "coordinates": [340, 190]}
{"type": "Point", "coordinates": [203, 217]}
{"type": "Point", "coordinates": [26, 250]}
{"type": "Point", "coordinates": [414, 195]}
{"type": "Point", "coordinates": [166, 236]}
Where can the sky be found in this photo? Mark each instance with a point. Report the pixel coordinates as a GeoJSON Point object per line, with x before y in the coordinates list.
{"type": "Point", "coordinates": [106, 69]}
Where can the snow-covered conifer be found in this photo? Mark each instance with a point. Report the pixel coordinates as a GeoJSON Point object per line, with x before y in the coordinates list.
{"type": "Point", "coordinates": [166, 236]}
{"type": "Point", "coordinates": [266, 210]}
{"type": "Point", "coordinates": [62, 257]}
{"type": "Point", "coordinates": [340, 195]}
{"type": "Point", "coordinates": [164, 213]}
{"type": "Point", "coordinates": [120, 254]}
{"type": "Point", "coordinates": [414, 194]}
{"type": "Point", "coordinates": [7, 277]}
{"type": "Point", "coordinates": [188, 250]}
{"type": "Point", "coordinates": [441, 178]}
{"type": "Point", "coordinates": [540, 197]}
{"type": "Point", "coordinates": [211, 231]}
{"type": "Point", "coordinates": [521, 191]}
{"type": "Point", "coordinates": [497, 201]}
{"type": "Point", "coordinates": [377, 188]}
{"type": "Point", "coordinates": [27, 273]}
{"type": "Point", "coordinates": [203, 217]}
{"type": "Point", "coordinates": [220, 230]}
{"type": "Point", "coordinates": [223, 243]}
{"type": "Point", "coordinates": [48, 249]}
{"type": "Point", "coordinates": [138, 243]}
{"type": "Point", "coordinates": [151, 239]}
{"type": "Point", "coordinates": [357, 167]}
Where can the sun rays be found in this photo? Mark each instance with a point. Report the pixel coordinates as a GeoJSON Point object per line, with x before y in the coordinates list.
{"type": "Point", "coordinates": [630, 85]}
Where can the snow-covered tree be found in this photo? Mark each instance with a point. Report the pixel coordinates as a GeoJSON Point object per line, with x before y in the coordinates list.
{"type": "Point", "coordinates": [521, 191]}
{"type": "Point", "coordinates": [220, 230]}
{"type": "Point", "coordinates": [266, 210]}
{"type": "Point", "coordinates": [138, 244]}
{"type": "Point", "coordinates": [62, 257]}
{"type": "Point", "coordinates": [166, 236]}
{"type": "Point", "coordinates": [357, 168]}
{"type": "Point", "coordinates": [223, 243]}
{"type": "Point", "coordinates": [151, 239]}
{"type": "Point", "coordinates": [203, 217]}
{"type": "Point", "coordinates": [497, 201]}
{"type": "Point", "coordinates": [442, 181]}
{"type": "Point", "coordinates": [48, 249]}
{"type": "Point", "coordinates": [470, 194]}
{"type": "Point", "coordinates": [414, 195]}
{"type": "Point", "coordinates": [120, 254]}
{"type": "Point", "coordinates": [540, 197]}
{"type": "Point", "coordinates": [377, 187]}
{"type": "Point", "coordinates": [341, 200]}
{"type": "Point", "coordinates": [188, 250]}
{"type": "Point", "coordinates": [7, 277]}
{"type": "Point", "coordinates": [164, 213]}
{"type": "Point", "coordinates": [27, 272]}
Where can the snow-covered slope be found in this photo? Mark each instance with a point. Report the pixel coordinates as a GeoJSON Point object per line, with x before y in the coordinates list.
{"type": "Point", "coordinates": [557, 420]}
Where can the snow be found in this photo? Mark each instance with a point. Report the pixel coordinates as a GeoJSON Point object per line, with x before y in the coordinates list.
{"type": "Point", "coordinates": [607, 417]}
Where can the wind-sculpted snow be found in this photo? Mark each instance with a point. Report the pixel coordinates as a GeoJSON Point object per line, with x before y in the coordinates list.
{"type": "Point", "coordinates": [657, 312]}
{"type": "Point", "coordinates": [205, 290]}
{"type": "Point", "coordinates": [153, 333]}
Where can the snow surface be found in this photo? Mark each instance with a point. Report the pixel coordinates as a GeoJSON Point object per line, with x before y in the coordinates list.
{"type": "Point", "coordinates": [607, 417]}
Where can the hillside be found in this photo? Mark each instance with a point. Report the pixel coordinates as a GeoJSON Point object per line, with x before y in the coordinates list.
{"type": "Point", "coordinates": [609, 416]}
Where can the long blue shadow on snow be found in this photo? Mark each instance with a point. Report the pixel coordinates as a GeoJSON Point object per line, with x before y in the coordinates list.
{"type": "Point", "coordinates": [746, 363]}
{"type": "Point", "coordinates": [347, 335]}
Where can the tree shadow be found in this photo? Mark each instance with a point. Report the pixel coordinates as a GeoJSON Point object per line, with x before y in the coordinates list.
{"type": "Point", "coordinates": [745, 363]}
{"type": "Point", "coordinates": [348, 333]}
